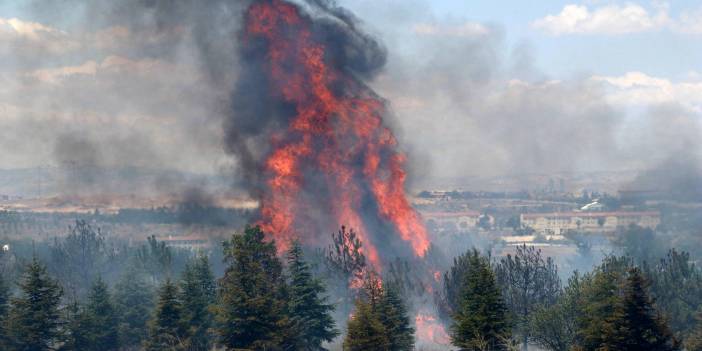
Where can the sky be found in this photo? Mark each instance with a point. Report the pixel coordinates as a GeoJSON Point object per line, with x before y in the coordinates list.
{"type": "Point", "coordinates": [474, 87]}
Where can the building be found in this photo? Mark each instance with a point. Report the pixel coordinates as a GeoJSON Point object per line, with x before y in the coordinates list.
{"type": "Point", "coordinates": [452, 220]}
{"type": "Point", "coordinates": [607, 222]}
{"type": "Point", "coordinates": [190, 242]}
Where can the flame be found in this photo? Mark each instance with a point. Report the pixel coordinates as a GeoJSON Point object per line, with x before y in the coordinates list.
{"type": "Point", "coordinates": [430, 330]}
{"type": "Point", "coordinates": [335, 141]}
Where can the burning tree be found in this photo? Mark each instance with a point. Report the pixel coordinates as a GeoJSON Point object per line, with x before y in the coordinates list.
{"type": "Point", "coordinates": [345, 255]}
{"type": "Point", "coordinates": [331, 157]}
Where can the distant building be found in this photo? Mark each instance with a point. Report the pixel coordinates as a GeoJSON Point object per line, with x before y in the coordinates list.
{"type": "Point", "coordinates": [190, 242]}
{"type": "Point", "coordinates": [607, 222]}
{"type": "Point", "coordinates": [459, 220]}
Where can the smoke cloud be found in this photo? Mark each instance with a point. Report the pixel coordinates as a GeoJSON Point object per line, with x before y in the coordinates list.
{"type": "Point", "coordinates": [151, 83]}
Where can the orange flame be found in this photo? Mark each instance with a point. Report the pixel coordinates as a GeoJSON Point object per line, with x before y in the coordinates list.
{"type": "Point", "coordinates": [429, 329]}
{"type": "Point", "coordinates": [338, 135]}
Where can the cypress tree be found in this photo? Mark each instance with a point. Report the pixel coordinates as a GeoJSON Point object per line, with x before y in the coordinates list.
{"type": "Point", "coordinates": [101, 318]}
{"type": "Point", "coordinates": [34, 321]}
{"type": "Point", "coordinates": [310, 314]}
{"type": "Point", "coordinates": [166, 331]}
{"type": "Point", "coordinates": [250, 313]}
{"type": "Point", "coordinates": [481, 320]}
{"type": "Point", "coordinates": [393, 315]}
{"type": "Point", "coordinates": [365, 330]}
{"type": "Point", "coordinates": [134, 301]}
{"type": "Point", "coordinates": [197, 293]}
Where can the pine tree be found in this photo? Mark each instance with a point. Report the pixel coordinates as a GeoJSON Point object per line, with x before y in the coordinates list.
{"type": "Point", "coordinates": [482, 317]}
{"type": "Point", "coordinates": [4, 308]}
{"type": "Point", "coordinates": [528, 281]}
{"type": "Point", "coordinates": [250, 313]}
{"type": "Point", "coordinates": [166, 331]}
{"type": "Point", "coordinates": [34, 320]}
{"type": "Point", "coordinates": [393, 315]}
{"type": "Point", "coordinates": [101, 317]}
{"type": "Point", "coordinates": [134, 301]}
{"type": "Point", "coordinates": [197, 293]}
{"type": "Point", "coordinates": [637, 325]}
{"type": "Point", "coordinates": [310, 314]}
{"type": "Point", "coordinates": [365, 330]}
{"type": "Point", "coordinates": [597, 320]}
{"type": "Point", "coordinates": [694, 341]}
{"type": "Point", "coordinates": [76, 328]}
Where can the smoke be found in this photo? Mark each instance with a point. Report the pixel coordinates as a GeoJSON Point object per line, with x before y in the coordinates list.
{"type": "Point", "coordinates": [161, 74]}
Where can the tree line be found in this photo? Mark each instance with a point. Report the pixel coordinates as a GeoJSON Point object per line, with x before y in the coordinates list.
{"type": "Point", "coordinates": [622, 305]}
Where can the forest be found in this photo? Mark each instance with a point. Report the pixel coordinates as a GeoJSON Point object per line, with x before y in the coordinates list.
{"type": "Point", "coordinates": [86, 291]}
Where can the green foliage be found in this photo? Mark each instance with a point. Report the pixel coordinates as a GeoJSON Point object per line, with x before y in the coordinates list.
{"type": "Point", "coordinates": [554, 327]}
{"type": "Point", "coordinates": [617, 312]}
{"type": "Point", "coordinates": [641, 244]}
{"type": "Point", "coordinates": [641, 327]}
{"type": "Point", "coordinates": [365, 330]}
{"type": "Point", "coordinates": [77, 329]}
{"type": "Point", "coordinates": [449, 302]}
{"type": "Point", "coordinates": [345, 255]}
{"type": "Point", "coordinates": [694, 341]}
{"type": "Point", "coordinates": [134, 301]}
{"type": "Point", "coordinates": [166, 329]}
{"type": "Point", "coordinates": [101, 319]}
{"type": "Point", "coordinates": [79, 258]}
{"type": "Point", "coordinates": [197, 294]}
{"type": "Point", "coordinates": [393, 315]}
{"type": "Point", "coordinates": [310, 314]}
{"type": "Point", "coordinates": [155, 258]}
{"type": "Point", "coordinates": [250, 313]}
{"type": "Point", "coordinates": [4, 308]}
{"type": "Point", "coordinates": [481, 320]}
{"type": "Point", "coordinates": [598, 302]}
{"type": "Point", "coordinates": [676, 285]}
{"type": "Point", "coordinates": [528, 282]}
{"type": "Point", "coordinates": [34, 321]}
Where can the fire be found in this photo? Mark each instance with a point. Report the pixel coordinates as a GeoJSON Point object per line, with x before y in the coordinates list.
{"type": "Point", "coordinates": [429, 329]}
{"type": "Point", "coordinates": [335, 158]}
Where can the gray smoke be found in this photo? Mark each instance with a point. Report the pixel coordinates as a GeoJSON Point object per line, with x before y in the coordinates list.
{"type": "Point", "coordinates": [161, 75]}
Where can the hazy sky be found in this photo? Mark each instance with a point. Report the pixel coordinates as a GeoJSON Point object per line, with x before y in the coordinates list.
{"type": "Point", "coordinates": [476, 87]}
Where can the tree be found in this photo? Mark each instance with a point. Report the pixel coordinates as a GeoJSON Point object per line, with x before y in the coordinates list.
{"type": "Point", "coordinates": [528, 281]}
{"type": "Point", "coordinates": [481, 320]}
{"type": "Point", "coordinates": [555, 327]}
{"type": "Point", "coordinates": [166, 330]}
{"type": "Point", "coordinates": [449, 301]}
{"type": "Point", "coordinates": [4, 308]}
{"type": "Point", "coordinates": [134, 301]}
{"type": "Point", "coordinates": [77, 329]}
{"type": "Point", "coordinates": [694, 341]}
{"type": "Point", "coordinates": [197, 294]}
{"type": "Point", "coordinates": [393, 315]}
{"type": "Point", "coordinates": [365, 330]}
{"type": "Point", "coordinates": [155, 258]}
{"type": "Point", "coordinates": [310, 314]}
{"type": "Point", "coordinates": [34, 321]}
{"type": "Point", "coordinates": [641, 244]}
{"type": "Point", "coordinates": [79, 258]}
{"type": "Point", "coordinates": [637, 325]}
{"type": "Point", "coordinates": [345, 255]}
{"type": "Point", "coordinates": [676, 285]}
{"type": "Point", "coordinates": [598, 302]}
{"type": "Point", "coordinates": [101, 322]}
{"type": "Point", "coordinates": [250, 313]}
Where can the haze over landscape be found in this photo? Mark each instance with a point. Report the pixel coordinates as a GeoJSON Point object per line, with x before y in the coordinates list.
{"type": "Point", "coordinates": [351, 175]}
